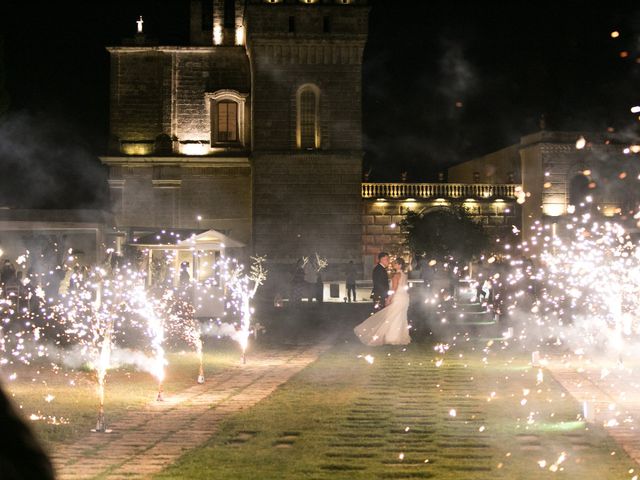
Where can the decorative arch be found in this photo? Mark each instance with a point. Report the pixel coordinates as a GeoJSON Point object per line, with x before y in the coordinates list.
{"type": "Point", "coordinates": [226, 112]}
{"type": "Point", "coordinates": [308, 117]}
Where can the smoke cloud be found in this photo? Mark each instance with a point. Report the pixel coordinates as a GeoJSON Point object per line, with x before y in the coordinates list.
{"type": "Point", "coordinates": [44, 164]}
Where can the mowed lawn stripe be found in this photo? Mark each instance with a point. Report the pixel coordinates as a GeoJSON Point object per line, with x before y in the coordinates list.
{"type": "Point", "coordinates": [408, 416]}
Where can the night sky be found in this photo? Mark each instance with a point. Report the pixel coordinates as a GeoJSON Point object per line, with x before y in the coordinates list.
{"type": "Point", "coordinates": [444, 81]}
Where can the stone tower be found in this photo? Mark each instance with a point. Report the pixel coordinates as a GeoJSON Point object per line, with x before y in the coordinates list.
{"type": "Point", "coordinates": [253, 129]}
{"type": "Point", "coordinates": [306, 63]}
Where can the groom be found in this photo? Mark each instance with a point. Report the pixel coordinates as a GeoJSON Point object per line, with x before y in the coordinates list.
{"type": "Point", "coordinates": [380, 277]}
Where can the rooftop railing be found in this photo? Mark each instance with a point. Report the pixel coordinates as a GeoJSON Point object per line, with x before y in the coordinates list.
{"type": "Point", "coordinates": [438, 190]}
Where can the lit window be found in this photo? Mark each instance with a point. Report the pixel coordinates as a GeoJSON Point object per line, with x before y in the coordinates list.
{"type": "Point", "coordinates": [308, 103]}
{"type": "Point", "coordinates": [227, 117]}
{"type": "Point", "coordinates": [227, 126]}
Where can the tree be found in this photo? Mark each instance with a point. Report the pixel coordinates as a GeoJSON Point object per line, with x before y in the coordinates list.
{"type": "Point", "coordinates": [444, 233]}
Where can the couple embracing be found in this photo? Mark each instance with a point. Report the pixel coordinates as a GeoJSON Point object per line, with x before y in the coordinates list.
{"type": "Point", "coordinates": [388, 325]}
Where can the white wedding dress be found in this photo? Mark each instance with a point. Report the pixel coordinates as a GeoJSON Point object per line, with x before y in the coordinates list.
{"type": "Point", "coordinates": [389, 326]}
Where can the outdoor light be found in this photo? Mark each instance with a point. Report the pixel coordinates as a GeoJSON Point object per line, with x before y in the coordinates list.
{"type": "Point", "coordinates": [239, 35]}
{"type": "Point", "coordinates": [194, 149]}
{"type": "Point", "coordinates": [553, 209]}
{"type": "Point", "coordinates": [217, 34]}
{"type": "Point", "coordinates": [137, 148]}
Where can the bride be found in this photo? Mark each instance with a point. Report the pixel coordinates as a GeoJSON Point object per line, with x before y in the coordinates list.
{"type": "Point", "coordinates": [389, 325]}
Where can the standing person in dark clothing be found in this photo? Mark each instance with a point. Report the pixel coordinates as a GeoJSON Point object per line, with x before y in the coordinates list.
{"type": "Point", "coordinates": [351, 281]}
{"type": "Point", "coordinates": [21, 456]}
{"type": "Point", "coordinates": [380, 292]}
{"type": "Point", "coordinates": [297, 281]}
{"type": "Point", "coordinates": [7, 272]}
{"type": "Point", "coordinates": [185, 278]}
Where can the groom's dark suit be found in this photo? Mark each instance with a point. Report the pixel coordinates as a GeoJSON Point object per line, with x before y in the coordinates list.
{"type": "Point", "coordinates": [380, 287]}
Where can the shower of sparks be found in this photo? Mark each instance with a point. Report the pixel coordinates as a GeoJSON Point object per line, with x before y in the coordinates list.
{"type": "Point", "coordinates": [242, 287]}
{"type": "Point", "coordinates": [80, 316]}
{"type": "Point", "coordinates": [583, 291]}
{"type": "Point", "coordinates": [320, 263]}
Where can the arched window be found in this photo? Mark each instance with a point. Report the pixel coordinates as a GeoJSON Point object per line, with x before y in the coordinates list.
{"type": "Point", "coordinates": [308, 121]}
{"type": "Point", "coordinates": [578, 190]}
{"type": "Point", "coordinates": [227, 117]}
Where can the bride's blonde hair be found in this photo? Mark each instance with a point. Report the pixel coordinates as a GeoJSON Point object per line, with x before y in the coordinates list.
{"type": "Point", "coordinates": [400, 261]}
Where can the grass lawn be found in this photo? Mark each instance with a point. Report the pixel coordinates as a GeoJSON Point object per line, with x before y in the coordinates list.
{"type": "Point", "coordinates": [475, 415]}
{"type": "Point", "coordinates": [65, 400]}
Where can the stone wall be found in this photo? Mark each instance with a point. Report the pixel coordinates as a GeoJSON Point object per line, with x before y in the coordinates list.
{"type": "Point", "coordinates": [307, 200]}
{"type": "Point", "coordinates": [163, 90]}
{"type": "Point", "coordinates": [307, 203]}
{"type": "Point", "coordinates": [548, 161]}
{"type": "Point", "coordinates": [138, 92]}
{"type": "Point", "coordinates": [283, 61]}
{"type": "Point", "coordinates": [213, 195]}
{"type": "Point", "coordinates": [381, 221]}
{"type": "Point", "coordinates": [288, 201]}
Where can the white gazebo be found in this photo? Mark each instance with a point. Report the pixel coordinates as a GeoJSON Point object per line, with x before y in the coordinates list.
{"type": "Point", "coordinates": [196, 253]}
{"type": "Point", "coordinates": [199, 250]}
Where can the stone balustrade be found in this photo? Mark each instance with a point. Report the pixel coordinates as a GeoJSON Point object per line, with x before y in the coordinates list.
{"type": "Point", "coordinates": [438, 190]}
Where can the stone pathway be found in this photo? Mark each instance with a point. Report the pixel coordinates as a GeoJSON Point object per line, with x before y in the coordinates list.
{"type": "Point", "coordinates": [145, 442]}
{"type": "Point", "coordinates": [611, 397]}
{"type": "Point", "coordinates": [395, 429]}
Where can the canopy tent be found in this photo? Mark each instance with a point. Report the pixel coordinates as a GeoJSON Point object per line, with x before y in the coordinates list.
{"type": "Point", "coordinates": [182, 256]}
{"type": "Point", "coordinates": [209, 240]}
{"type": "Point", "coordinates": [191, 251]}
{"type": "Point", "coordinates": [187, 240]}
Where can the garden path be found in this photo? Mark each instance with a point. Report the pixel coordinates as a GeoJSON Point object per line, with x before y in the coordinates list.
{"type": "Point", "coordinates": [144, 442]}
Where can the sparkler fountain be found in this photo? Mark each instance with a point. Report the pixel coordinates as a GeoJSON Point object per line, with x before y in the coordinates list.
{"type": "Point", "coordinates": [148, 309]}
{"type": "Point", "coordinates": [187, 326]}
{"type": "Point", "coordinates": [243, 288]}
{"type": "Point", "coordinates": [90, 310]}
{"type": "Point", "coordinates": [590, 280]}
{"type": "Point", "coordinates": [101, 372]}
{"type": "Point", "coordinates": [200, 357]}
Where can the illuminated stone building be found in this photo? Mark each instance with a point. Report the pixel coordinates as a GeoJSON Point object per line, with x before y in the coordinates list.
{"type": "Point", "coordinates": [253, 129]}
{"type": "Point", "coordinates": [547, 171]}
{"type": "Point", "coordinates": [558, 170]}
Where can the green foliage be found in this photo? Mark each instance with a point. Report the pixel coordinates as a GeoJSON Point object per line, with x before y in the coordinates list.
{"type": "Point", "coordinates": [444, 233]}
